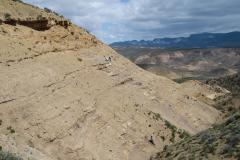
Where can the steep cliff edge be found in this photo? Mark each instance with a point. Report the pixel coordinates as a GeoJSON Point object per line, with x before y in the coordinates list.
{"type": "Point", "coordinates": [62, 98]}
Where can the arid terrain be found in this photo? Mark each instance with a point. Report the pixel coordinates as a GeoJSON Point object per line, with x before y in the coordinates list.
{"type": "Point", "coordinates": [63, 98]}
{"type": "Point", "coordinates": [209, 75]}
{"type": "Point", "coordinates": [188, 64]}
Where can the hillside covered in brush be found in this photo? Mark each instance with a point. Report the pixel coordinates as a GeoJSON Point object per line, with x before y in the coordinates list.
{"type": "Point", "coordinates": [232, 83]}
{"type": "Point", "coordinates": [220, 142]}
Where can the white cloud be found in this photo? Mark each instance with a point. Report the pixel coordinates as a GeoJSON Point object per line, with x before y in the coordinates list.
{"type": "Point", "coordinates": [115, 20]}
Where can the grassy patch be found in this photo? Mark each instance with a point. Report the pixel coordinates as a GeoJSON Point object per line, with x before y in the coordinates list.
{"type": "Point", "coordinates": [8, 156]}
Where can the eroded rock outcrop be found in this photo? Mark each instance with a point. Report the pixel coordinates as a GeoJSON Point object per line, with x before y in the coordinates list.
{"type": "Point", "coordinates": [40, 24]}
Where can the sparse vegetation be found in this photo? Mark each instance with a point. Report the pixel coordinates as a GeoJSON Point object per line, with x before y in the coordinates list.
{"type": "Point", "coordinates": [183, 134]}
{"type": "Point", "coordinates": [47, 10]}
{"type": "Point", "coordinates": [18, 1]}
{"type": "Point", "coordinates": [8, 156]}
{"type": "Point", "coordinates": [155, 116]}
{"type": "Point", "coordinates": [30, 144]}
{"type": "Point", "coordinates": [174, 130]}
{"type": "Point", "coordinates": [51, 11]}
{"type": "Point", "coordinates": [222, 141]}
{"type": "Point", "coordinates": [231, 83]}
{"type": "Point", "coordinates": [163, 138]}
{"type": "Point", "coordinates": [79, 59]}
{"type": "Point", "coordinates": [11, 130]}
{"type": "Point", "coordinates": [55, 13]}
{"type": "Point", "coordinates": [7, 16]}
{"type": "Point", "coordinates": [226, 104]}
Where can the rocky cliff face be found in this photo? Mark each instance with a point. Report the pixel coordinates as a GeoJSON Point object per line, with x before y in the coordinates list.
{"type": "Point", "coordinates": [39, 25]}
{"type": "Point", "coordinates": [17, 12]}
{"type": "Point", "coordinates": [37, 19]}
{"type": "Point", "coordinates": [60, 98]}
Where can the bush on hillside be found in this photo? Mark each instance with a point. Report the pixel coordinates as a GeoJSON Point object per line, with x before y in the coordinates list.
{"type": "Point", "coordinates": [18, 1]}
{"type": "Point", "coordinates": [8, 156]}
{"type": "Point", "coordinates": [48, 10]}
{"type": "Point", "coordinates": [7, 16]}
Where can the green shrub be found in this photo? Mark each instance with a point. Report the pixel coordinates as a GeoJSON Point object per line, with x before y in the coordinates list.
{"type": "Point", "coordinates": [163, 138]}
{"type": "Point", "coordinates": [208, 148]}
{"type": "Point", "coordinates": [8, 156]}
{"type": "Point", "coordinates": [48, 10]}
{"type": "Point", "coordinates": [7, 16]}
{"type": "Point", "coordinates": [183, 134]}
{"type": "Point", "coordinates": [11, 129]}
{"type": "Point", "coordinates": [173, 130]}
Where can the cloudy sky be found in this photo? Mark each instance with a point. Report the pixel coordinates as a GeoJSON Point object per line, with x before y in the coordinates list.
{"type": "Point", "coordinates": [120, 20]}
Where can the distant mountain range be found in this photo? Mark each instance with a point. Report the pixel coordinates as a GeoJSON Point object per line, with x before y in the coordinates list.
{"type": "Point", "coordinates": [203, 40]}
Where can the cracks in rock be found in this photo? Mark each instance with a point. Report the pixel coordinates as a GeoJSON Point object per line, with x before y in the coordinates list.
{"type": "Point", "coordinates": [66, 75]}
{"type": "Point", "coordinates": [27, 58]}
{"type": "Point", "coordinates": [49, 85]}
{"type": "Point", "coordinates": [89, 115]}
{"type": "Point", "coordinates": [75, 126]}
{"type": "Point", "coordinates": [7, 101]}
{"type": "Point", "coordinates": [58, 88]}
{"type": "Point", "coordinates": [128, 80]}
{"type": "Point", "coordinates": [38, 54]}
{"type": "Point", "coordinates": [70, 73]}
